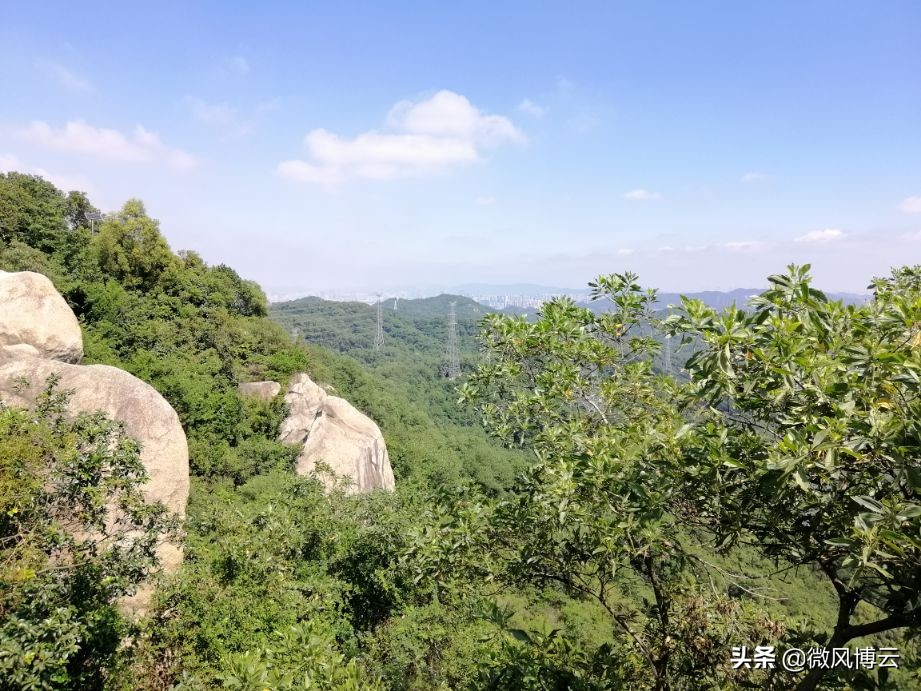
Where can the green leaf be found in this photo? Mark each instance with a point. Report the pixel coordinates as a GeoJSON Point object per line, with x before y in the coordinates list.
{"type": "Point", "coordinates": [520, 635]}
{"type": "Point", "coordinates": [840, 542]}
{"type": "Point", "coordinates": [909, 511]}
{"type": "Point", "coordinates": [869, 503]}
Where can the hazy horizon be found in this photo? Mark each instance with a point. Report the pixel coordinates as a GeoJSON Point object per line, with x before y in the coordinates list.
{"type": "Point", "coordinates": [369, 295]}
{"type": "Point", "coordinates": [360, 147]}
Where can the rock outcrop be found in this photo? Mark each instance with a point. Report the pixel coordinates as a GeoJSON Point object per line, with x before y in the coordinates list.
{"type": "Point", "coordinates": [263, 390]}
{"type": "Point", "coordinates": [35, 319]}
{"type": "Point", "coordinates": [334, 432]}
{"type": "Point", "coordinates": [39, 337]}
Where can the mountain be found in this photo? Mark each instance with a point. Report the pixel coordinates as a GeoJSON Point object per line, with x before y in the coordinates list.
{"type": "Point", "coordinates": [402, 384]}
{"type": "Point", "coordinates": [528, 293]}
{"type": "Point", "coordinates": [474, 300]}
{"type": "Point", "coordinates": [740, 296]}
{"type": "Point", "coordinates": [713, 298]}
{"type": "Point", "coordinates": [596, 524]}
{"type": "Point", "coordinates": [438, 307]}
{"type": "Point", "coordinates": [349, 327]}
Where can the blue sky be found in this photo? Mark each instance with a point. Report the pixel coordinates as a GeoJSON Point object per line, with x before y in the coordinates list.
{"type": "Point", "coordinates": [365, 146]}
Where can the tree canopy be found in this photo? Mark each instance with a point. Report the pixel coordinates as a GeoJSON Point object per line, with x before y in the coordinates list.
{"type": "Point", "coordinates": [762, 488]}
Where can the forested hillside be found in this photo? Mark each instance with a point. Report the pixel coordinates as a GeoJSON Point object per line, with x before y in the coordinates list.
{"type": "Point", "coordinates": [619, 528]}
{"type": "Point", "coordinates": [402, 385]}
{"type": "Point", "coordinates": [420, 325]}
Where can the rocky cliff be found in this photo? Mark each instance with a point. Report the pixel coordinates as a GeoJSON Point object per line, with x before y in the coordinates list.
{"type": "Point", "coordinates": [40, 336]}
{"type": "Point", "coordinates": [335, 433]}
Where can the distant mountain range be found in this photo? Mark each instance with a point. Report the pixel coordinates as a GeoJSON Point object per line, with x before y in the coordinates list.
{"type": "Point", "coordinates": [740, 296]}
{"type": "Point", "coordinates": [475, 299]}
{"type": "Point", "coordinates": [713, 298]}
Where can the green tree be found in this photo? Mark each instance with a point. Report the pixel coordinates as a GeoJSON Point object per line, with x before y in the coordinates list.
{"type": "Point", "coordinates": [595, 514]}
{"type": "Point", "coordinates": [77, 207]}
{"type": "Point", "coordinates": [75, 535]}
{"type": "Point", "coordinates": [130, 248]}
{"type": "Point", "coordinates": [31, 211]}
{"type": "Point", "coordinates": [807, 440]}
{"type": "Point", "coordinates": [797, 435]}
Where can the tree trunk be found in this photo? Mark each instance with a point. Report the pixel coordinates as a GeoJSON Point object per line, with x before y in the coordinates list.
{"type": "Point", "coordinates": [812, 679]}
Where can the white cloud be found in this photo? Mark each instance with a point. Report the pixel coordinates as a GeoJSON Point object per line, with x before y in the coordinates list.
{"type": "Point", "coordinates": [447, 114]}
{"type": "Point", "coordinates": [916, 236]}
{"type": "Point", "coordinates": [384, 156]}
{"type": "Point", "coordinates": [441, 132]}
{"type": "Point", "coordinates": [642, 195]}
{"type": "Point", "coordinates": [755, 176]}
{"type": "Point", "coordinates": [142, 146]}
{"type": "Point", "coordinates": [910, 205]}
{"type": "Point", "coordinates": [529, 107]}
{"type": "Point", "coordinates": [220, 116]}
{"type": "Point", "coordinates": [9, 163]}
{"type": "Point", "coordinates": [486, 201]}
{"type": "Point", "coordinates": [65, 77]}
{"type": "Point", "coordinates": [624, 252]}
{"type": "Point", "coordinates": [821, 236]}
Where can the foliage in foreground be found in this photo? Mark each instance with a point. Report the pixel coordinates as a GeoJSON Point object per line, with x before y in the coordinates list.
{"type": "Point", "coordinates": [797, 435]}
{"type": "Point", "coordinates": [75, 535]}
{"type": "Point", "coordinates": [807, 441]}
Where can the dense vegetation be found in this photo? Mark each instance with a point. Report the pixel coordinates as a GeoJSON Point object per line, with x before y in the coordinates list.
{"type": "Point", "coordinates": [402, 385]}
{"type": "Point", "coordinates": [57, 476]}
{"type": "Point", "coordinates": [768, 496]}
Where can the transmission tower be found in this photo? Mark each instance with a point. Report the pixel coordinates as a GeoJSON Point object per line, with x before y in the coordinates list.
{"type": "Point", "coordinates": [379, 337]}
{"type": "Point", "coordinates": [668, 355]}
{"type": "Point", "coordinates": [452, 361]}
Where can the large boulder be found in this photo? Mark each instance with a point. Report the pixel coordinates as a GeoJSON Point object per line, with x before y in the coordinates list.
{"type": "Point", "coordinates": [334, 432]}
{"type": "Point", "coordinates": [35, 319]}
{"type": "Point", "coordinates": [145, 414]}
{"type": "Point", "coordinates": [263, 390]}
{"type": "Point", "coordinates": [32, 350]}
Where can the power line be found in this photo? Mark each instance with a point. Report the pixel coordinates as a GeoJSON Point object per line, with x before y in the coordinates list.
{"type": "Point", "coordinates": [452, 360]}
{"type": "Point", "coordinates": [668, 355]}
{"type": "Point", "coordinates": [379, 337]}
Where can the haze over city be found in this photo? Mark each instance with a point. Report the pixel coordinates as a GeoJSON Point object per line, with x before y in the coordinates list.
{"type": "Point", "coordinates": [362, 147]}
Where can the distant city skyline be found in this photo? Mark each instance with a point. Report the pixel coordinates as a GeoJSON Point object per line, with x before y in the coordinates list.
{"type": "Point", "coordinates": [527, 300]}
{"type": "Point", "coordinates": [352, 146]}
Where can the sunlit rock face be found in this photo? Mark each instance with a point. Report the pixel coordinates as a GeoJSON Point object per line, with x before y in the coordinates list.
{"type": "Point", "coordinates": [35, 319]}
{"type": "Point", "coordinates": [334, 432]}
{"type": "Point", "coordinates": [40, 337]}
